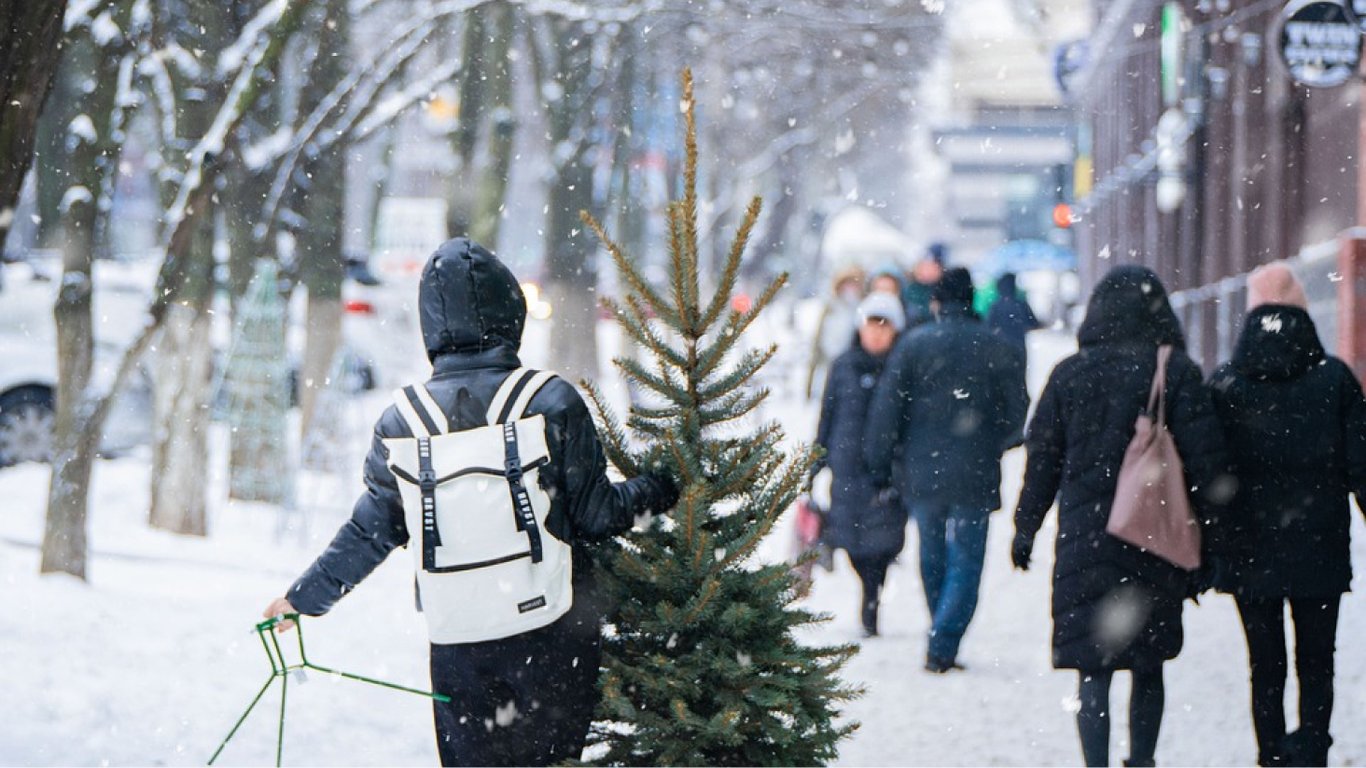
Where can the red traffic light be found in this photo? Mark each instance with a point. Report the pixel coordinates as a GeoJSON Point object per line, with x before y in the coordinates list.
{"type": "Point", "coordinates": [1062, 216]}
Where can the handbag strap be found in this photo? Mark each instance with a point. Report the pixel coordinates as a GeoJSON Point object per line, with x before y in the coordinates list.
{"type": "Point", "coordinates": [1157, 394]}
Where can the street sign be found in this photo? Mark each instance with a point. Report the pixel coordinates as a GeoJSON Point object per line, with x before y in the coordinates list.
{"type": "Point", "coordinates": [1319, 43]}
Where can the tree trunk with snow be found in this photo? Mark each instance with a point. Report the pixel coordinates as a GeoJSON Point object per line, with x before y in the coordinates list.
{"type": "Point", "coordinates": [90, 163]}
{"type": "Point", "coordinates": [323, 214]}
{"type": "Point", "coordinates": [570, 266]}
{"type": "Point", "coordinates": [74, 442]}
{"type": "Point", "coordinates": [180, 457]}
{"type": "Point", "coordinates": [493, 166]}
{"type": "Point", "coordinates": [30, 48]}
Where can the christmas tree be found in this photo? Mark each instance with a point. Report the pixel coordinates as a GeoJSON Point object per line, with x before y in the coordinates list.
{"type": "Point", "coordinates": [702, 665]}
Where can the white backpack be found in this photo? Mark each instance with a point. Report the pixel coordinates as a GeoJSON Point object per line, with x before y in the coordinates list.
{"type": "Point", "coordinates": [487, 568]}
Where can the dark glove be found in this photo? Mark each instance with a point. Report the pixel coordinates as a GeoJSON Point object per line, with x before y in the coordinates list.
{"type": "Point", "coordinates": [816, 467]}
{"type": "Point", "coordinates": [663, 489]}
{"type": "Point", "coordinates": [1020, 550]}
{"type": "Point", "coordinates": [886, 496]}
{"type": "Point", "coordinates": [1205, 578]}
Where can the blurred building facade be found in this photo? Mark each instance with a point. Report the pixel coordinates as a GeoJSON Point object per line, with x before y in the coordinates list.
{"type": "Point", "coordinates": [1200, 157]}
{"type": "Point", "coordinates": [1004, 141]}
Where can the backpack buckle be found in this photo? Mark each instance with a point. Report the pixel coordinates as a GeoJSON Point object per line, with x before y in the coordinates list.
{"type": "Point", "coordinates": [426, 479]}
{"type": "Point", "coordinates": [513, 469]}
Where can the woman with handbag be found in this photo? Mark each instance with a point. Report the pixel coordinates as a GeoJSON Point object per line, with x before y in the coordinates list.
{"type": "Point", "coordinates": [861, 520]}
{"type": "Point", "coordinates": [1295, 421]}
{"type": "Point", "coordinates": [1116, 606]}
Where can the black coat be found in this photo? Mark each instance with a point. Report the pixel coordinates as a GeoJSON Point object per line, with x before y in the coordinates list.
{"type": "Point", "coordinates": [953, 399]}
{"type": "Point", "coordinates": [1114, 606]}
{"type": "Point", "coordinates": [1010, 316]}
{"type": "Point", "coordinates": [856, 522]}
{"type": "Point", "coordinates": [472, 312]}
{"type": "Point", "coordinates": [1295, 422]}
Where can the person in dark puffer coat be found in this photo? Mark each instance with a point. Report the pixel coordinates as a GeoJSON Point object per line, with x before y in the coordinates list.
{"type": "Point", "coordinates": [1295, 421]}
{"type": "Point", "coordinates": [868, 525]}
{"type": "Point", "coordinates": [951, 402]}
{"type": "Point", "coordinates": [1116, 607]}
{"type": "Point", "coordinates": [472, 313]}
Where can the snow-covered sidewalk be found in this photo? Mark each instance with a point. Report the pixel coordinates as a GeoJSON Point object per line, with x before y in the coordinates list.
{"type": "Point", "coordinates": [152, 660]}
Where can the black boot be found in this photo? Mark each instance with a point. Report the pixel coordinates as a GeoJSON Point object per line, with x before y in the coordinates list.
{"type": "Point", "coordinates": [870, 618]}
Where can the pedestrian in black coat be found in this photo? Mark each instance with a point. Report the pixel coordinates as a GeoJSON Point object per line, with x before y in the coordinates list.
{"type": "Point", "coordinates": [1114, 605]}
{"type": "Point", "coordinates": [1010, 316]}
{"type": "Point", "coordinates": [951, 401]}
{"type": "Point", "coordinates": [1295, 421]}
{"type": "Point", "coordinates": [472, 312]}
{"type": "Point", "coordinates": [869, 525]}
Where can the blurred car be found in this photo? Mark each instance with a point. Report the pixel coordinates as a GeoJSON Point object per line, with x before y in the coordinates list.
{"type": "Point", "coordinates": [28, 338]}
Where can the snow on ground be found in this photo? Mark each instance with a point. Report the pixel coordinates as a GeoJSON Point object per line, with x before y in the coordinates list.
{"type": "Point", "coordinates": [152, 660]}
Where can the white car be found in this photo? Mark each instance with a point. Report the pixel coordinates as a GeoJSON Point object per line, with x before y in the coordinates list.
{"type": "Point", "coordinates": [28, 343]}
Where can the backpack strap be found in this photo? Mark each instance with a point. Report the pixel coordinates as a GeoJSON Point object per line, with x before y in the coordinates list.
{"type": "Point", "coordinates": [414, 414]}
{"type": "Point", "coordinates": [513, 397]}
{"type": "Point", "coordinates": [517, 408]}
{"type": "Point", "coordinates": [521, 500]}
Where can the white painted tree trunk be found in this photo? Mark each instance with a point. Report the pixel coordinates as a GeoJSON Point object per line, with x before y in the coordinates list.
{"type": "Point", "coordinates": [181, 418]}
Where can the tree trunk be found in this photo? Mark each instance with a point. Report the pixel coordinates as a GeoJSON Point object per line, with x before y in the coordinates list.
{"type": "Point", "coordinates": [324, 336]}
{"type": "Point", "coordinates": [502, 127]}
{"type": "Point", "coordinates": [30, 48]}
{"type": "Point", "coordinates": [320, 238]}
{"type": "Point", "coordinates": [74, 440]}
{"type": "Point", "coordinates": [180, 456]}
{"type": "Point", "coordinates": [569, 249]}
{"type": "Point", "coordinates": [572, 284]}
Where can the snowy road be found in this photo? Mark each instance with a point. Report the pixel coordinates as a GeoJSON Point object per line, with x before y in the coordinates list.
{"type": "Point", "coordinates": [152, 661]}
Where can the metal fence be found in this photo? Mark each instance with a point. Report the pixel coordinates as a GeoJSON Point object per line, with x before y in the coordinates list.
{"type": "Point", "coordinates": [1212, 315]}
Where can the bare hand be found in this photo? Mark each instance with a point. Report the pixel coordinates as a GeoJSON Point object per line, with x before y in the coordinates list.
{"type": "Point", "coordinates": [278, 608]}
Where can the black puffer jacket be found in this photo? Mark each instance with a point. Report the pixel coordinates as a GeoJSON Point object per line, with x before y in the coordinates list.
{"type": "Point", "coordinates": [857, 521]}
{"type": "Point", "coordinates": [1295, 421]}
{"type": "Point", "coordinates": [1115, 606]}
{"type": "Point", "coordinates": [953, 398]}
{"type": "Point", "coordinates": [472, 315]}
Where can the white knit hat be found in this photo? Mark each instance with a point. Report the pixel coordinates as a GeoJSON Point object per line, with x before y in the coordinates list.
{"type": "Point", "coordinates": [885, 306]}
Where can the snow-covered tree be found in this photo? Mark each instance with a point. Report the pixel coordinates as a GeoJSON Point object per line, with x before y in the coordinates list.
{"type": "Point", "coordinates": [703, 665]}
{"type": "Point", "coordinates": [30, 47]}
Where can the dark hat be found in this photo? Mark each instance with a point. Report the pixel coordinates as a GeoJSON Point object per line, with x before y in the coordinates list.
{"type": "Point", "coordinates": [954, 287]}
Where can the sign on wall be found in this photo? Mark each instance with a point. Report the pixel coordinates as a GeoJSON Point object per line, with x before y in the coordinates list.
{"type": "Point", "coordinates": [1320, 42]}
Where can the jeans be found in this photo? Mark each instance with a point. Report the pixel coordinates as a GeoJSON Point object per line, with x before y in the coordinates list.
{"type": "Point", "coordinates": [953, 543]}
{"type": "Point", "coordinates": [1316, 626]}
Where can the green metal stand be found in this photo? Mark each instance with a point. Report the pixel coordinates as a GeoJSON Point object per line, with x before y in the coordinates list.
{"type": "Point", "coordinates": [280, 669]}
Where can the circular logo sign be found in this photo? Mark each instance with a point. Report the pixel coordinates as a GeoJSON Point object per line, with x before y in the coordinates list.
{"type": "Point", "coordinates": [1319, 43]}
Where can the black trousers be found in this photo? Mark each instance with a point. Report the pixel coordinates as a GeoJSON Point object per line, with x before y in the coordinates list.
{"type": "Point", "coordinates": [872, 572]}
{"type": "Point", "coordinates": [523, 700]}
{"type": "Point", "coordinates": [1316, 627]}
{"type": "Point", "coordinates": [1147, 699]}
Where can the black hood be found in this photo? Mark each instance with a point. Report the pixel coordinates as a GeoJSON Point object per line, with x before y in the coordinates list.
{"type": "Point", "coordinates": [1130, 306]}
{"type": "Point", "coordinates": [468, 301]}
{"type": "Point", "coordinates": [1278, 342]}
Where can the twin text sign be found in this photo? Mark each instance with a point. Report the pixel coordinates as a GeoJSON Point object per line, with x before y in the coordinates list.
{"type": "Point", "coordinates": [1320, 41]}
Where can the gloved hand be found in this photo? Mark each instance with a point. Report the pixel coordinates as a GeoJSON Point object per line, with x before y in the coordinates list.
{"type": "Point", "coordinates": [1204, 578]}
{"type": "Point", "coordinates": [886, 496]}
{"type": "Point", "coordinates": [664, 489]}
{"type": "Point", "coordinates": [1020, 550]}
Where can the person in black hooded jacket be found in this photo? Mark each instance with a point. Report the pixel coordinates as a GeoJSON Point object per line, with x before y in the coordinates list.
{"type": "Point", "coordinates": [1115, 607]}
{"type": "Point", "coordinates": [869, 526]}
{"type": "Point", "coordinates": [1295, 421]}
{"type": "Point", "coordinates": [472, 313]}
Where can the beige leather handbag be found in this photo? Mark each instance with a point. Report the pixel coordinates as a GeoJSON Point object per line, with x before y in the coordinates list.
{"type": "Point", "coordinates": [1152, 509]}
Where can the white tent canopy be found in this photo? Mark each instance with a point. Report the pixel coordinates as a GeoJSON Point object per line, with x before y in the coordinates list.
{"type": "Point", "coordinates": [856, 235]}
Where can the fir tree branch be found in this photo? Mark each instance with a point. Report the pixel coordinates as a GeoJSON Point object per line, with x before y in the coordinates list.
{"type": "Point", "coordinates": [731, 273]}
{"type": "Point", "coordinates": [615, 442]}
{"type": "Point", "coordinates": [633, 278]}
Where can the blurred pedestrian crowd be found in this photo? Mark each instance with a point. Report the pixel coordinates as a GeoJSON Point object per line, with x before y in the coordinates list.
{"type": "Point", "coordinates": [920, 377]}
